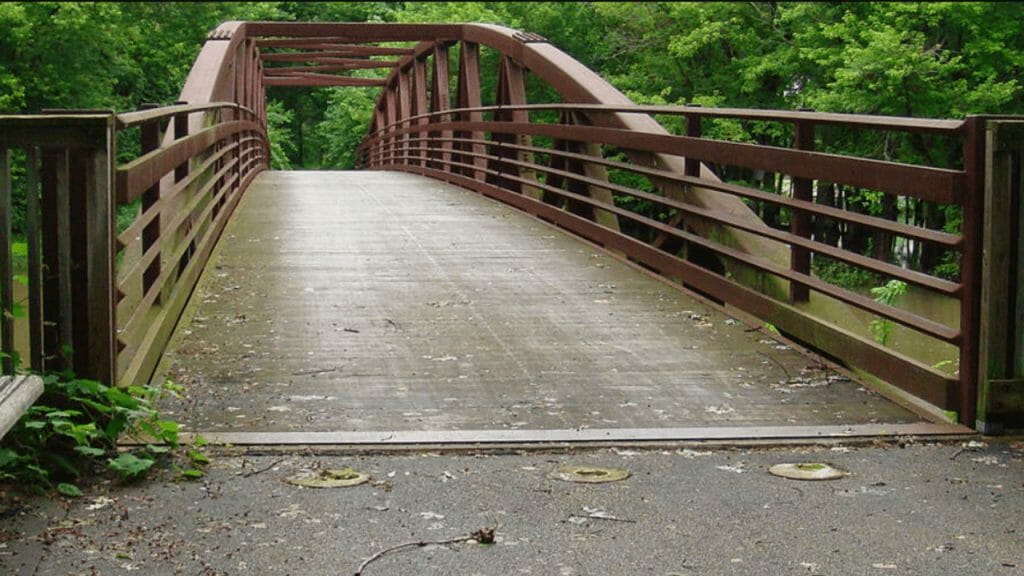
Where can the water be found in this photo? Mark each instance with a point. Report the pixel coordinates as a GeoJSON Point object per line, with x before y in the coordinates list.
{"type": "Point", "coordinates": [906, 341]}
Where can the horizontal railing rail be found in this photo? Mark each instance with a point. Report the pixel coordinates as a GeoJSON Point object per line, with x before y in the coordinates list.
{"type": "Point", "coordinates": [186, 186]}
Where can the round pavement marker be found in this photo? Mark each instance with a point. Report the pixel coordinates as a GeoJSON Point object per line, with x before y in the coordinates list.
{"type": "Point", "coordinates": [589, 474]}
{"type": "Point", "coordinates": [340, 478]}
{"type": "Point", "coordinates": [808, 471]}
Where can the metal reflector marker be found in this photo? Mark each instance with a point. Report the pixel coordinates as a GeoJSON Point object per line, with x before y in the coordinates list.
{"type": "Point", "coordinates": [808, 471]}
{"type": "Point", "coordinates": [589, 474]}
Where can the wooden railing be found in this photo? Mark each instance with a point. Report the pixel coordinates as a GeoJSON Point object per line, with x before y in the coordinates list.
{"type": "Point", "coordinates": [579, 181]}
{"type": "Point", "coordinates": [102, 301]}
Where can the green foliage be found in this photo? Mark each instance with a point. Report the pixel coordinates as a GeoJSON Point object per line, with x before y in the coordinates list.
{"type": "Point", "coordinates": [282, 141]}
{"type": "Point", "coordinates": [74, 428]}
{"type": "Point", "coordinates": [887, 294]}
{"type": "Point", "coordinates": [346, 120]}
{"type": "Point", "coordinates": [842, 274]}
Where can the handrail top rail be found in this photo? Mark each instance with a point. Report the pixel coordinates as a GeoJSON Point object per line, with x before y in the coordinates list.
{"type": "Point", "coordinates": [47, 119]}
{"type": "Point", "coordinates": [124, 119]}
{"type": "Point", "coordinates": [132, 119]}
{"type": "Point", "coordinates": [949, 127]}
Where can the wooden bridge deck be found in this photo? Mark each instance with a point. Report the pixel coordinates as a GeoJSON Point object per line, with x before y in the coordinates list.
{"type": "Point", "coordinates": [357, 307]}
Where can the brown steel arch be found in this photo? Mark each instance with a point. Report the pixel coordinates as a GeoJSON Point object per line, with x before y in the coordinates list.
{"type": "Point", "coordinates": [575, 162]}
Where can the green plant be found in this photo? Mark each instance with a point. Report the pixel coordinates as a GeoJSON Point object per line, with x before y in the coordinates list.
{"type": "Point", "coordinates": [842, 274]}
{"type": "Point", "coordinates": [74, 428]}
{"type": "Point", "coordinates": [887, 294]}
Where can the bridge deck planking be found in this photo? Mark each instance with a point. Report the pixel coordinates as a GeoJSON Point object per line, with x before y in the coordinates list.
{"type": "Point", "coordinates": [371, 301]}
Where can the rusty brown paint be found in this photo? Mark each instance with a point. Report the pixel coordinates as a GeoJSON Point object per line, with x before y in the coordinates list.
{"type": "Point", "coordinates": [800, 225]}
{"type": "Point", "coordinates": [149, 168]}
{"type": "Point", "coordinates": [970, 267]}
{"type": "Point", "coordinates": [932, 184]}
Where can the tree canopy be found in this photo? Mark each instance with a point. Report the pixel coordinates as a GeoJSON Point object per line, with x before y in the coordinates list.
{"type": "Point", "coordinates": [946, 59]}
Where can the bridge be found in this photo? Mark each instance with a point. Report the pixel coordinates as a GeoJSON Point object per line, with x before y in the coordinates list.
{"type": "Point", "coordinates": [503, 270]}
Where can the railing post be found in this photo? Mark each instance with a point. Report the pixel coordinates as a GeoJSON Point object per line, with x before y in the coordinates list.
{"type": "Point", "coordinates": [419, 106]}
{"type": "Point", "coordinates": [56, 261]}
{"type": "Point", "coordinates": [1001, 329]}
{"type": "Point", "coordinates": [691, 166]}
{"type": "Point", "coordinates": [390, 117]}
{"type": "Point", "coordinates": [800, 221]}
{"type": "Point", "coordinates": [970, 268]}
{"type": "Point", "coordinates": [180, 173]}
{"type": "Point", "coordinates": [180, 131]}
{"type": "Point", "coordinates": [100, 232]}
{"type": "Point", "coordinates": [404, 90]}
{"type": "Point", "coordinates": [149, 141]}
{"type": "Point", "coordinates": [440, 101]}
{"type": "Point", "coordinates": [469, 97]}
{"type": "Point", "coordinates": [35, 265]}
{"type": "Point", "coordinates": [6, 271]}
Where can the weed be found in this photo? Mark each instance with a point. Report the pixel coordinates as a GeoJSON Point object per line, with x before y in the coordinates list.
{"type": "Point", "coordinates": [73, 429]}
{"type": "Point", "coordinates": [887, 294]}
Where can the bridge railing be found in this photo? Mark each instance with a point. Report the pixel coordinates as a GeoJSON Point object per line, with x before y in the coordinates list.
{"type": "Point", "coordinates": [574, 172]}
{"type": "Point", "coordinates": [186, 185]}
{"type": "Point", "coordinates": [113, 251]}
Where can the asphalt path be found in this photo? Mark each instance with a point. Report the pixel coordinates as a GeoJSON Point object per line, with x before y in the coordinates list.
{"type": "Point", "coordinates": [904, 508]}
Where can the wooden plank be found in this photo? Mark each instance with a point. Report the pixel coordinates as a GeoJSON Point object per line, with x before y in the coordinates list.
{"type": "Point", "coordinates": [17, 393]}
{"type": "Point", "coordinates": [102, 352]}
{"type": "Point", "coordinates": [970, 267]}
{"type": "Point", "coordinates": [65, 320]}
{"type": "Point", "coordinates": [1019, 256]}
{"type": "Point", "coordinates": [35, 264]}
{"type": "Point", "coordinates": [6, 271]}
{"type": "Point", "coordinates": [800, 224]}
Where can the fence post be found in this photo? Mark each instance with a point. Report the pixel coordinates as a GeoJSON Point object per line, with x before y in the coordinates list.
{"type": "Point", "coordinates": [970, 268]}
{"type": "Point", "coordinates": [180, 131]}
{"type": "Point", "coordinates": [149, 141]}
{"type": "Point", "coordinates": [35, 265]}
{"type": "Point", "coordinates": [800, 221]}
{"type": "Point", "coordinates": [6, 272]}
{"type": "Point", "coordinates": [180, 173]}
{"type": "Point", "coordinates": [100, 233]}
{"type": "Point", "coordinates": [1001, 336]}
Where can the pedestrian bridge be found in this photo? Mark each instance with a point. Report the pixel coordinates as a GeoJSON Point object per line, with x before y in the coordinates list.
{"type": "Point", "coordinates": [505, 270]}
